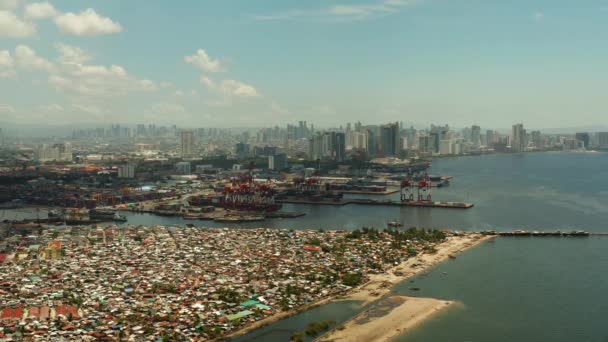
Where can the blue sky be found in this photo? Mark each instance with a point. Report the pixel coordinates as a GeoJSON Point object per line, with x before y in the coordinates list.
{"type": "Point", "coordinates": [255, 63]}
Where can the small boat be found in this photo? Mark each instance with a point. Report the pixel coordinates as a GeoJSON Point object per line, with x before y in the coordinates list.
{"type": "Point", "coordinates": [119, 218]}
{"type": "Point", "coordinates": [394, 224]}
{"type": "Point", "coordinates": [414, 289]}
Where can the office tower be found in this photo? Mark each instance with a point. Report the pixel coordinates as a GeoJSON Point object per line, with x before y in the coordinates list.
{"type": "Point", "coordinates": [183, 168]}
{"type": "Point", "coordinates": [490, 138]}
{"type": "Point", "coordinates": [583, 139]}
{"type": "Point", "coordinates": [602, 139]}
{"type": "Point", "coordinates": [277, 161]}
{"type": "Point", "coordinates": [389, 139]}
{"type": "Point", "coordinates": [126, 171]}
{"type": "Point", "coordinates": [187, 143]}
{"type": "Point", "coordinates": [56, 152]}
{"type": "Point", "coordinates": [476, 135]}
{"type": "Point", "coordinates": [518, 138]}
{"type": "Point", "coordinates": [537, 140]}
{"type": "Point", "coordinates": [328, 145]}
{"type": "Point", "coordinates": [424, 144]}
{"type": "Point", "coordinates": [242, 150]}
{"type": "Point", "coordinates": [445, 147]}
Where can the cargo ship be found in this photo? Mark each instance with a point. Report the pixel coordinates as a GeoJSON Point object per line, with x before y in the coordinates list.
{"type": "Point", "coordinates": [108, 215]}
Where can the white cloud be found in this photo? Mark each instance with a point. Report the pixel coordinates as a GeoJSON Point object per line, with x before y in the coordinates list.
{"type": "Point", "coordinates": [7, 109]}
{"type": "Point", "coordinates": [9, 4]}
{"type": "Point", "coordinates": [167, 108]}
{"type": "Point", "coordinates": [148, 85]}
{"type": "Point", "coordinates": [88, 109]}
{"type": "Point", "coordinates": [342, 12]}
{"type": "Point", "coordinates": [276, 108]}
{"type": "Point", "coordinates": [40, 10]}
{"type": "Point", "coordinates": [7, 64]}
{"type": "Point", "coordinates": [28, 59]}
{"type": "Point", "coordinates": [238, 88]}
{"type": "Point", "coordinates": [230, 88]}
{"type": "Point", "coordinates": [86, 23]}
{"type": "Point", "coordinates": [51, 108]}
{"type": "Point", "coordinates": [203, 61]}
{"type": "Point", "coordinates": [6, 60]}
{"type": "Point", "coordinates": [13, 27]}
{"type": "Point", "coordinates": [72, 54]}
{"type": "Point", "coordinates": [98, 81]}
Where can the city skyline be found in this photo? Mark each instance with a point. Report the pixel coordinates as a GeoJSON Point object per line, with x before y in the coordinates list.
{"type": "Point", "coordinates": [224, 64]}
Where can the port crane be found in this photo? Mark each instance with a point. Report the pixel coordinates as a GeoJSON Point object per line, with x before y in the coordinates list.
{"type": "Point", "coordinates": [422, 188]}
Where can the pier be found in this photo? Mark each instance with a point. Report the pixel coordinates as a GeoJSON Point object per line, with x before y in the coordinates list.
{"type": "Point", "coordinates": [364, 201]}
{"type": "Point", "coordinates": [525, 233]}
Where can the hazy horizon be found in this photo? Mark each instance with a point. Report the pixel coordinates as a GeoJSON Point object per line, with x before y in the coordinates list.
{"type": "Point", "coordinates": [257, 64]}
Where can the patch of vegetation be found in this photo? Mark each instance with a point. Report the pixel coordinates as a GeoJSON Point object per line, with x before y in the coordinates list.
{"type": "Point", "coordinates": [316, 327]}
{"type": "Point", "coordinates": [352, 279]}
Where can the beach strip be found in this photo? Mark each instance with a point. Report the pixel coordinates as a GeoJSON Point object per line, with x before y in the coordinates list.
{"type": "Point", "coordinates": [392, 316]}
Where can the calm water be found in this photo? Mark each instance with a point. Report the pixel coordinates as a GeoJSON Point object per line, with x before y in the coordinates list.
{"type": "Point", "coordinates": [534, 289]}
{"type": "Point", "coordinates": [526, 289]}
{"type": "Point", "coordinates": [529, 191]}
{"type": "Point", "coordinates": [510, 289]}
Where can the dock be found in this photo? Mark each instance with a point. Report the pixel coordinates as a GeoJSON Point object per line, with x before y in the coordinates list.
{"type": "Point", "coordinates": [365, 201]}
{"type": "Point", "coordinates": [525, 233]}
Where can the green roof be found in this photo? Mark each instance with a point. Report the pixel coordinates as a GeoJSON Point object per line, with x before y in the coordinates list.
{"type": "Point", "coordinates": [250, 303]}
{"type": "Point", "coordinates": [263, 307]}
{"type": "Point", "coordinates": [239, 315]}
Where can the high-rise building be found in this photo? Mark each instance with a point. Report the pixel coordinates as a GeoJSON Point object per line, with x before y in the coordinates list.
{"type": "Point", "coordinates": [518, 138]}
{"type": "Point", "coordinates": [537, 140]}
{"type": "Point", "coordinates": [445, 147]}
{"type": "Point", "coordinates": [389, 139]}
{"type": "Point", "coordinates": [183, 168]}
{"type": "Point", "coordinates": [434, 139]}
{"type": "Point", "coordinates": [126, 171]}
{"type": "Point", "coordinates": [242, 150]}
{"type": "Point", "coordinates": [277, 161]}
{"type": "Point", "coordinates": [490, 138]}
{"type": "Point", "coordinates": [602, 139]}
{"type": "Point", "coordinates": [583, 137]}
{"type": "Point", "coordinates": [476, 135]}
{"type": "Point", "coordinates": [56, 152]}
{"type": "Point", "coordinates": [328, 145]}
{"type": "Point", "coordinates": [187, 143]}
{"type": "Point", "coordinates": [424, 144]}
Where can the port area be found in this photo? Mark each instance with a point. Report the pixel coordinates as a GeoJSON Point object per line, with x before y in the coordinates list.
{"type": "Point", "coordinates": [525, 233]}
{"type": "Point", "coordinates": [363, 192]}
{"type": "Point", "coordinates": [365, 201]}
{"type": "Point", "coordinates": [223, 215]}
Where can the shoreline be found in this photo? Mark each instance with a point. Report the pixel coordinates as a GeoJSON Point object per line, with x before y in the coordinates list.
{"type": "Point", "coordinates": [370, 326]}
{"type": "Point", "coordinates": [379, 285]}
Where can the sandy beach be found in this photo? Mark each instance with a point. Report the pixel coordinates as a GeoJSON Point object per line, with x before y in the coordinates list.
{"type": "Point", "coordinates": [380, 285]}
{"type": "Point", "coordinates": [390, 317]}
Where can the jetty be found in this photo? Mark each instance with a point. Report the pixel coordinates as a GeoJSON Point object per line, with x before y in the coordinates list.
{"type": "Point", "coordinates": [525, 233]}
{"type": "Point", "coordinates": [365, 201]}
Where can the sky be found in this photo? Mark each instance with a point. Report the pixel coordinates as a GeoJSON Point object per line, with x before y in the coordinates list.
{"type": "Point", "coordinates": [254, 63]}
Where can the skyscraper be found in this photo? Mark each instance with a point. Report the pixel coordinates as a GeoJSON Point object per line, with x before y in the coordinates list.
{"type": "Point", "coordinates": [187, 143]}
{"type": "Point", "coordinates": [518, 138]}
{"type": "Point", "coordinates": [583, 138]}
{"type": "Point", "coordinates": [602, 138]}
{"type": "Point", "coordinates": [328, 145]}
{"type": "Point", "coordinates": [389, 139]}
{"type": "Point", "coordinates": [476, 135]}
